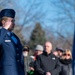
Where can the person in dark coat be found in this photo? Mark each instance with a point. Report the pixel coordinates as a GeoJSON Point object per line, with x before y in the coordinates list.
{"type": "Point", "coordinates": [66, 63]}
{"type": "Point", "coordinates": [38, 50]}
{"type": "Point", "coordinates": [47, 63]}
{"type": "Point", "coordinates": [11, 57]}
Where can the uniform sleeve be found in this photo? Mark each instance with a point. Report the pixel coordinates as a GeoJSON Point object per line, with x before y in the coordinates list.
{"type": "Point", "coordinates": [3, 32]}
{"type": "Point", "coordinates": [22, 63]}
{"type": "Point", "coordinates": [37, 66]}
{"type": "Point", "coordinates": [57, 69]}
{"type": "Point", "coordinates": [22, 57]}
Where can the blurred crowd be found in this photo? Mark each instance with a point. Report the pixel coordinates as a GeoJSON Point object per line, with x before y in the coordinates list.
{"type": "Point", "coordinates": [46, 61]}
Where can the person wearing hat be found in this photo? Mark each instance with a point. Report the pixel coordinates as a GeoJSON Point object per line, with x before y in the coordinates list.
{"type": "Point", "coordinates": [26, 58]}
{"type": "Point", "coordinates": [11, 57]}
{"type": "Point", "coordinates": [38, 50]}
{"type": "Point", "coordinates": [59, 51]}
{"type": "Point", "coordinates": [25, 51]}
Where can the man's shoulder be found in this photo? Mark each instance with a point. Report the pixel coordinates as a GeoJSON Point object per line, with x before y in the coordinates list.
{"type": "Point", "coordinates": [3, 31]}
{"type": "Point", "coordinates": [1, 28]}
{"type": "Point", "coordinates": [54, 56]}
{"type": "Point", "coordinates": [39, 56]}
{"type": "Point", "coordinates": [42, 55]}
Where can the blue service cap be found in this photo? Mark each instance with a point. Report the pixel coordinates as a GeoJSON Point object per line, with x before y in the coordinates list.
{"type": "Point", "coordinates": [7, 13]}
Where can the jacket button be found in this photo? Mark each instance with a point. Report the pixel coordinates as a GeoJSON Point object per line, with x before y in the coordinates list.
{"type": "Point", "coordinates": [17, 54]}
{"type": "Point", "coordinates": [17, 48]}
{"type": "Point", "coordinates": [17, 60]}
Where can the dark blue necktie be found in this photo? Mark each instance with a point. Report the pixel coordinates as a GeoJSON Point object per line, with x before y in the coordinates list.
{"type": "Point", "coordinates": [12, 37]}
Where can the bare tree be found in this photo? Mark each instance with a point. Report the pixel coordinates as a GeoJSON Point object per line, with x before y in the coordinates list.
{"type": "Point", "coordinates": [28, 13]}
{"type": "Point", "coordinates": [18, 32]}
{"type": "Point", "coordinates": [65, 20]}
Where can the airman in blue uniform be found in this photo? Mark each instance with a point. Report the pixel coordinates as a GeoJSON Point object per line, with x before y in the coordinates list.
{"type": "Point", "coordinates": [11, 58]}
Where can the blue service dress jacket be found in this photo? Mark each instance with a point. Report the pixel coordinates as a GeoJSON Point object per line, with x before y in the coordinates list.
{"type": "Point", "coordinates": [11, 58]}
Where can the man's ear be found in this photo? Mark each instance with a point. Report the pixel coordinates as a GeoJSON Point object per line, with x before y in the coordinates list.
{"type": "Point", "coordinates": [3, 22]}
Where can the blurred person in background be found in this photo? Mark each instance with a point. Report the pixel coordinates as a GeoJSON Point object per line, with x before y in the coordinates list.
{"type": "Point", "coordinates": [60, 51]}
{"type": "Point", "coordinates": [66, 63]}
{"type": "Point", "coordinates": [38, 50]}
{"type": "Point", "coordinates": [26, 57]}
{"type": "Point", "coordinates": [55, 53]}
{"type": "Point", "coordinates": [47, 63]}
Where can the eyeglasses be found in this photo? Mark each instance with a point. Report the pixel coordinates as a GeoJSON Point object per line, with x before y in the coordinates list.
{"type": "Point", "coordinates": [66, 54]}
{"type": "Point", "coordinates": [25, 50]}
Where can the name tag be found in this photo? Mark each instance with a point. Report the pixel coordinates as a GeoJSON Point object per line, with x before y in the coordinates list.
{"type": "Point", "coordinates": [53, 58]}
{"type": "Point", "coordinates": [7, 40]}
